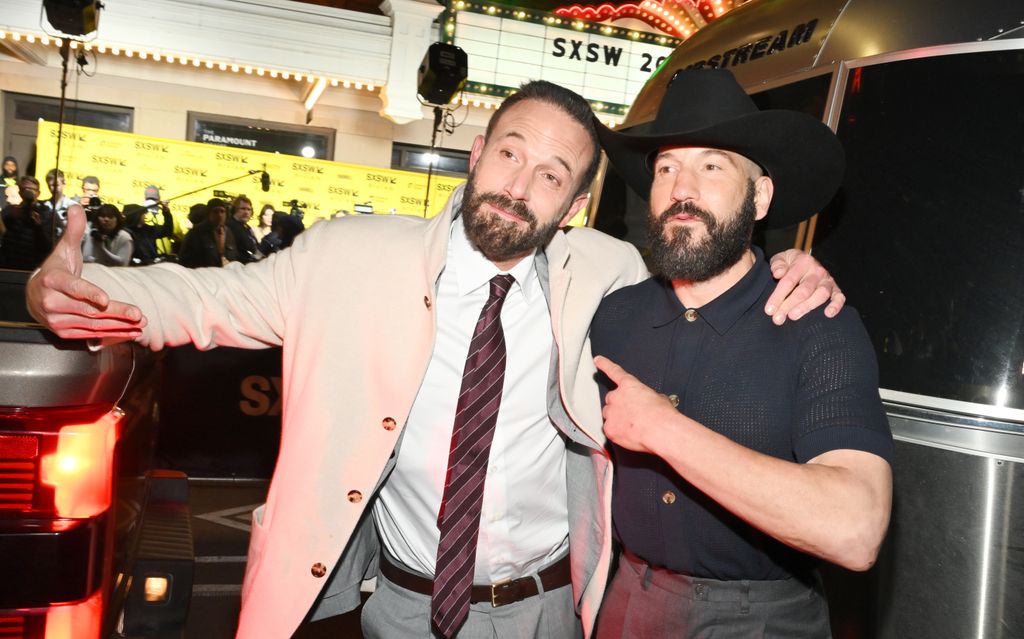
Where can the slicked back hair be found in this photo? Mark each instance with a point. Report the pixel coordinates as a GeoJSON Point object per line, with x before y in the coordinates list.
{"type": "Point", "coordinates": [570, 103]}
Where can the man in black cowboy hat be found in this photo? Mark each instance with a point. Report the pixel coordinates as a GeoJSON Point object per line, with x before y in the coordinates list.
{"type": "Point", "coordinates": [745, 452]}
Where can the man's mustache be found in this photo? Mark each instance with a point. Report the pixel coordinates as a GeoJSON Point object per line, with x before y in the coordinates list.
{"type": "Point", "coordinates": [517, 207]}
{"type": "Point", "coordinates": [688, 208]}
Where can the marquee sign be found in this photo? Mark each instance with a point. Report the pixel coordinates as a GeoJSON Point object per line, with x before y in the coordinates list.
{"type": "Point", "coordinates": [510, 45]}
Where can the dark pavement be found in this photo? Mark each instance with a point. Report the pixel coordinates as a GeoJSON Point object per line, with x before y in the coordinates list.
{"type": "Point", "coordinates": [221, 510]}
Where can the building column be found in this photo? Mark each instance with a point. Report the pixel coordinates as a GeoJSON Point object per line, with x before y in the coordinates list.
{"type": "Point", "coordinates": [411, 33]}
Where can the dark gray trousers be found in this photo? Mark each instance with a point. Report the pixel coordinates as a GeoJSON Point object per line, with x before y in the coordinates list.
{"type": "Point", "coordinates": [644, 602]}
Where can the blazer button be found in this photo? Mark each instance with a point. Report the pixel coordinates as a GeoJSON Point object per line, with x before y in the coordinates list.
{"type": "Point", "coordinates": [691, 315]}
{"type": "Point", "coordinates": [388, 423]}
{"type": "Point", "coordinates": [355, 496]}
{"type": "Point", "coordinates": [426, 301]}
{"type": "Point", "coordinates": [674, 400]}
{"type": "Point", "coordinates": [318, 570]}
{"type": "Point", "coordinates": [669, 497]}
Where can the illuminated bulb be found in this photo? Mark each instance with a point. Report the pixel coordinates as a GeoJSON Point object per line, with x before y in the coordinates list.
{"type": "Point", "coordinates": [115, 50]}
{"type": "Point", "coordinates": [248, 70]}
{"type": "Point", "coordinates": [369, 87]}
{"type": "Point", "coordinates": [128, 53]}
{"type": "Point", "coordinates": [359, 86]}
{"type": "Point", "coordinates": [169, 58]}
{"type": "Point", "coordinates": [334, 83]}
{"type": "Point", "coordinates": [196, 62]}
{"type": "Point", "coordinates": [222, 66]}
{"type": "Point", "coordinates": [273, 73]}
{"type": "Point", "coordinates": [30, 38]}
{"type": "Point", "coordinates": [286, 75]}
{"type": "Point", "coordinates": [183, 60]}
{"type": "Point", "coordinates": [101, 49]}
{"type": "Point", "coordinates": [260, 72]}
{"type": "Point", "coordinates": [346, 84]}
{"type": "Point", "coordinates": [45, 40]}
{"type": "Point", "coordinates": [209, 64]}
{"type": "Point", "coordinates": [16, 36]}
{"type": "Point", "coordinates": [234, 67]}
{"type": "Point", "coordinates": [74, 45]}
{"type": "Point", "coordinates": [3, 35]}
{"type": "Point", "coordinates": [155, 589]}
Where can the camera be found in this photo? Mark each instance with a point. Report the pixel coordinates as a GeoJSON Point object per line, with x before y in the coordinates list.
{"type": "Point", "coordinates": [295, 207]}
{"type": "Point", "coordinates": [94, 205]}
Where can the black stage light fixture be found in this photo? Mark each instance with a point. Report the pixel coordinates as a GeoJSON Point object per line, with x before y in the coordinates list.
{"type": "Point", "coordinates": [442, 73]}
{"type": "Point", "coordinates": [73, 17]}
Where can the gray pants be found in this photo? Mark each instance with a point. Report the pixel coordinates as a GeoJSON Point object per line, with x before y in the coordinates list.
{"type": "Point", "coordinates": [392, 612]}
{"type": "Point", "coordinates": [653, 603]}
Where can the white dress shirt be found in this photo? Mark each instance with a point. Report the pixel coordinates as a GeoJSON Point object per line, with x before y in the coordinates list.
{"type": "Point", "coordinates": [524, 524]}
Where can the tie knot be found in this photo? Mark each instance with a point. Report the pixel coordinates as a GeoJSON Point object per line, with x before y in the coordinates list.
{"type": "Point", "coordinates": [500, 284]}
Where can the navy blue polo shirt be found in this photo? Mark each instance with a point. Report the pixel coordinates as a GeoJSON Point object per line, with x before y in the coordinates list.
{"type": "Point", "coordinates": [793, 391]}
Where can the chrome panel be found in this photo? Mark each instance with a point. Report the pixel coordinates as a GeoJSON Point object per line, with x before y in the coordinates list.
{"type": "Point", "coordinates": [41, 370]}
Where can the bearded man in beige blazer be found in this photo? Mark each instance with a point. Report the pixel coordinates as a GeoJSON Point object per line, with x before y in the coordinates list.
{"type": "Point", "coordinates": [343, 500]}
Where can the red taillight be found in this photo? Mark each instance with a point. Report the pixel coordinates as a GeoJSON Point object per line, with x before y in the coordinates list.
{"type": "Point", "coordinates": [81, 468]}
{"type": "Point", "coordinates": [80, 620]}
{"type": "Point", "coordinates": [60, 463]}
{"type": "Point", "coordinates": [75, 621]}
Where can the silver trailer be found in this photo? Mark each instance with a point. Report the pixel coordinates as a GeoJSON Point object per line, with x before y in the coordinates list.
{"type": "Point", "coordinates": [926, 237]}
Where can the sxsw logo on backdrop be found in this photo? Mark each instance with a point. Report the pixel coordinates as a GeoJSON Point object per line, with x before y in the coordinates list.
{"type": "Point", "coordinates": [68, 135]}
{"type": "Point", "coordinates": [232, 157]}
{"type": "Point", "coordinates": [189, 170]}
{"type": "Point", "coordinates": [108, 161]}
{"type": "Point", "coordinates": [151, 146]}
{"type": "Point", "coordinates": [337, 190]}
{"type": "Point", "coordinates": [307, 168]}
{"type": "Point", "coordinates": [383, 179]}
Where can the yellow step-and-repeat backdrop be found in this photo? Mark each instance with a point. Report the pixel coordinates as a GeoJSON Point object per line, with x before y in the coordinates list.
{"type": "Point", "coordinates": [126, 163]}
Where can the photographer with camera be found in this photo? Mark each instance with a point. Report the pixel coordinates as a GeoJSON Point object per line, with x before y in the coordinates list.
{"type": "Point", "coordinates": [25, 239]}
{"type": "Point", "coordinates": [107, 242]}
{"type": "Point", "coordinates": [90, 197]}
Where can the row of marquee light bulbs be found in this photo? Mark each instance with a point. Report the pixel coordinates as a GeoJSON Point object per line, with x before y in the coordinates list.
{"type": "Point", "coordinates": [319, 83]}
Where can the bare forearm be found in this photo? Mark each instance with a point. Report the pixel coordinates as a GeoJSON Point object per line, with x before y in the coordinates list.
{"type": "Point", "coordinates": [836, 512]}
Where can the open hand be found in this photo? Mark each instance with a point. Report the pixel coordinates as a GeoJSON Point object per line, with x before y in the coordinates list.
{"type": "Point", "coordinates": [803, 286]}
{"type": "Point", "coordinates": [58, 298]}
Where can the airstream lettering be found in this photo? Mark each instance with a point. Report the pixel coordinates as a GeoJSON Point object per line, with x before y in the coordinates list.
{"type": "Point", "coordinates": [768, 45]}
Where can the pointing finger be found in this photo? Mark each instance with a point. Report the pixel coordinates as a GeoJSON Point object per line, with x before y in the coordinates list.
{"type": "Point", "coordinates": [614, 372]}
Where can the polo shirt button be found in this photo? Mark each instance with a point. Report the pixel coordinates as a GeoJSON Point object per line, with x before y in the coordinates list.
{"type": "Point", "coordinates": [426, 301]}
{"type": "Point", "coordinates": [318, 570]}
{"type": "Point", "coordinates": [669, 497]}
{"type": "Point", "coordinates": [355, 496]}
{"type": "Point", "coordinates": [674, 400]}
{"type": "Point", "coordinates": [690, 315]}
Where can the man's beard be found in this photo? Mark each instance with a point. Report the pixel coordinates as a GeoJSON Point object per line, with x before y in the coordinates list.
{"type": "Point", "coordinates": [501, 240]}
{"type": "Point", "coordinates": [679, 257]}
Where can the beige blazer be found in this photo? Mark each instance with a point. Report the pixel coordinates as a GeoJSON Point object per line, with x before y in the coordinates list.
{"type": "Point", "coordinates": [351, 303]}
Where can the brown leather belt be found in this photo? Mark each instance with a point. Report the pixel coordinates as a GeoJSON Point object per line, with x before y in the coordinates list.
{"type": "Point", "coordinates": [500, 594]}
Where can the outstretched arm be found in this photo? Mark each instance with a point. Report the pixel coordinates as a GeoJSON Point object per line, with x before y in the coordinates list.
{"type": "Point", "coordinates": [836, 506]}
{"type": "Point", "coordinates": [803, 286]}
{"type": "Point", "coordinates": [58, 297]}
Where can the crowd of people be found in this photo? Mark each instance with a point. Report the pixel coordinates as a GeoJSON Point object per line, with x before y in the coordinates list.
{"type": "Point", "coordinates": [215, 234]}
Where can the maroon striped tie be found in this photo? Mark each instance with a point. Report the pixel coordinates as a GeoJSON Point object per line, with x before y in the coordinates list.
{"type": "Point", "coordinates": [475, 417]}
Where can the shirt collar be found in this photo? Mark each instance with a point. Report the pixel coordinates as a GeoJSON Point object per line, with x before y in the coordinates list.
{"type": "Point", "coordinates": [723, 311]}
{"type": "Point", "coordinates": [473, 270]}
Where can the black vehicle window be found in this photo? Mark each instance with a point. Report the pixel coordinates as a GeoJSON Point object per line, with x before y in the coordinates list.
{"type": "Point", "coordinates": [927, 234]}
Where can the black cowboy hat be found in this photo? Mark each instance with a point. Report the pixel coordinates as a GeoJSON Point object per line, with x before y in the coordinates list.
{"type": "Point", "coordinates": [708, 108]}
